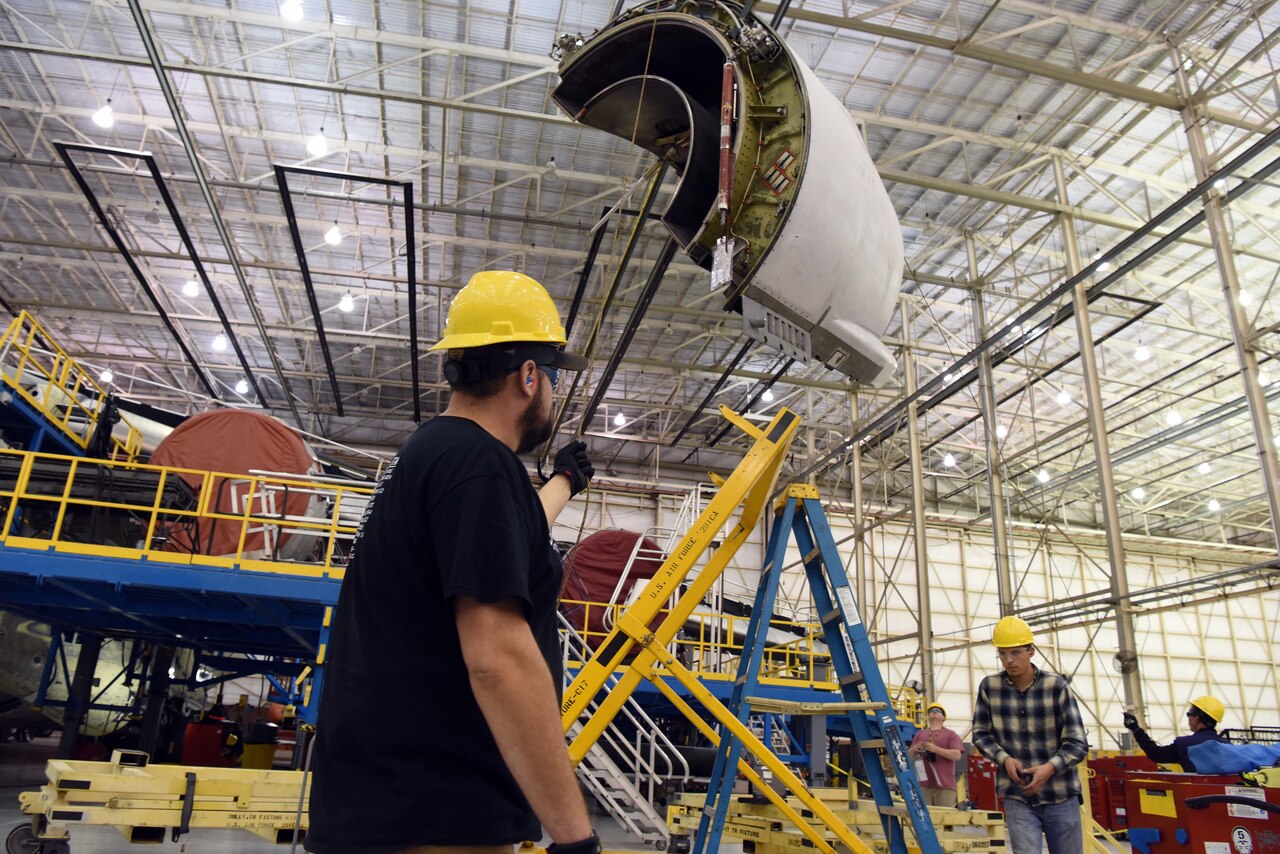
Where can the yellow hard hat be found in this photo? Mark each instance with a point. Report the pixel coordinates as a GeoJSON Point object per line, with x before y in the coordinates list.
{"type": "Point", "coordinates": [505, 307]}
{"type": "Point", "coordinates": [1011, 632]}
{"type": "Point", "coordinates": [936, 705]}
{"type": "Point", "coordinates": [1211, 706]}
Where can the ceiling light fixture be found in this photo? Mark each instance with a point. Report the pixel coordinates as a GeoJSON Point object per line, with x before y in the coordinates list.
{"type": "Point", "coordinates": [219, 342]}
{"type": "Point", "coordinates": [103, 117]}
{"type": "Point", "coordinates": [949, 461]}
{"type": "Point", "coordinates": [1002, 432]}
{"type": "Point", "coordinates": [242, 387]}
{"type": "Point", "coordinates": [1246, 297]}
{"type": "Point", "coordinates": [1064, 397]}
{"type": "Point", "coordinates": [318, 146]}
{"type": "Point", "coordinates": [334, 235]}
{"type": "Point", "coordinates": [1042, 476]}
{"type": "Point", "coordinates": [620, 420]}
{"type": "Point", "coordinates": [106, 376]}
{"type": "Point", "coordinates": [1263, 379]}
{"type": "Point", "coordinates": [1173, 419]}
{"type": "Point", "coordinates": [1141, 353]}
{"type": "Point", "coordinates": [550, 176]}
{"type": "Point", "coordinates": [346, 303]}
{"type": "Point", "coordinates": [291, 11]}
{"type": "Point", "coordinates": [767, 397]}
{"type": "Point", "coordinates": [1139, 493]}
{"type": "Point", "coordinates": [191, 288]}
{"type": "Point", "coordinates": [1204, 468]}
{"type": "Point", "coordinates": [1214, 506]}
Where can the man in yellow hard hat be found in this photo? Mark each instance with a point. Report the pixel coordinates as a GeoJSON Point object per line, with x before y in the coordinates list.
{"type": "Point", "coordinates": [1027, 722]}
{"type": "Point", "coordinates": [447, 614]}
{"type": "Point", "coordinates": [936, 750]}
{"type": "Point", "coordinates": [1203, 717]}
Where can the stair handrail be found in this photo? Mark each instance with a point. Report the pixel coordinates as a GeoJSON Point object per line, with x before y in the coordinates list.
{"type": "Point", "coordinates": [635, 714]}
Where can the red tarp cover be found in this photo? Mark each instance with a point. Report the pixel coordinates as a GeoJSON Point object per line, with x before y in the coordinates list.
{"type": "Point", "coordinates": [231, 441]}
{"type": "Point", "coordinates": [592, 571]}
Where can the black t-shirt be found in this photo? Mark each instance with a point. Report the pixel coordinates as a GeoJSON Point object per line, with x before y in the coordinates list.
{"type": "Point", "coordinates": [403, 755]}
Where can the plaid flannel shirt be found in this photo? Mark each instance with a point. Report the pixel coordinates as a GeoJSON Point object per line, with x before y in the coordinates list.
{"type": "Point", "coordinates": [1038, 725]}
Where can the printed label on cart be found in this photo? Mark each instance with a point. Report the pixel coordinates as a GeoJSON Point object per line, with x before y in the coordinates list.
{"type": "Point", "coordinates": [1240, 810]}
{"type": "Point", "coordinates": [260, 819]}
{"type": "Point", "coordinates": [1217, 848]}
{"type": "Point", "coordinates": [1241, 840]}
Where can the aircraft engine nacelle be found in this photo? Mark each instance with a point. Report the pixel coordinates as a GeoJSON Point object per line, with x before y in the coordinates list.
{"type": "Point", "coordinates": [817, 251]}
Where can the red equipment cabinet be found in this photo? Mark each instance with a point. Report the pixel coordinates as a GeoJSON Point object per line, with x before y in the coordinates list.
{"type": "Point", "coordinates": [1160, 822]}
{"type": "Point", "coordinates": [980, 778]}
{"type": "Point", "coordinates": [1106, 788]}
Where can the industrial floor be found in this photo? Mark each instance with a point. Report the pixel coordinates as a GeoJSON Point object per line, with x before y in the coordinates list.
{"type": "Point", "coordinates": [22, 769]}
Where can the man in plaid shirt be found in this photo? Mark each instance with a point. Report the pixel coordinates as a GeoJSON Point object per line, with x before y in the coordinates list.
{"type": "Point", "coordinates": [1027, 722]}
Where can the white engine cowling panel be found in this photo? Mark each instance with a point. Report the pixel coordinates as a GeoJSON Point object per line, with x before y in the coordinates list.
{"type": "Point", "coordinates": [819, 253]}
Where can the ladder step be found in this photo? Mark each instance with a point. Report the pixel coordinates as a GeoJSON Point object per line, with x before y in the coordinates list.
{"type": "Point", "coordinates": [800, 707]}
{"type": "Point", "coordinates": [817, 550]}
{"type": "Point", "coordinates": [872, 744]}
{"type": "Point", "coordinates": [832, 616]}
{"type": "Point", "coordinates": [895, 811]}
{"type": "Point", "coordinates": [852, 679]}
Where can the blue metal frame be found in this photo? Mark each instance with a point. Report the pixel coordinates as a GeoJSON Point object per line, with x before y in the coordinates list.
{"type": "Point", "coordinates": [813, 537]}
{"type": "Point", "coordinates": [729, 751]}
{"type": "Point", "coordinates": [854, 662]}
{"type": "Point", "coordinates": [211, 610]}
{"type": "Point", "coordinates": [32, 427]}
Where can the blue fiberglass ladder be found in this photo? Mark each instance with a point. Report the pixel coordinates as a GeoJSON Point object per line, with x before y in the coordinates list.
{"type": "Point", "coordinates": [855, 666]}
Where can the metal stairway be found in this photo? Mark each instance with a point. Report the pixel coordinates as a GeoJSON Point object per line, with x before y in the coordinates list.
{"type": "Point", "coordinates": [627, 793]}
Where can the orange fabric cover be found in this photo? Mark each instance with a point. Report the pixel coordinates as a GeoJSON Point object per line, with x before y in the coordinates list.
{"type": "Point", "coordinates": [231, 441]}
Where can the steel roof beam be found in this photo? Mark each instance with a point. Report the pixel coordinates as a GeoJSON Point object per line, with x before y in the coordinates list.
{"type": "Point", "coordinates": [189, 146]}
{"type": "Point", "coordinates": [1027, 65]}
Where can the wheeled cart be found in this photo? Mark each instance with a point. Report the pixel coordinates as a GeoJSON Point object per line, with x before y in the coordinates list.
{"type": "Point", "coordinates": [147, 802]}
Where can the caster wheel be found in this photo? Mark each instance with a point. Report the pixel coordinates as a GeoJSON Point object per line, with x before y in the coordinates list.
{"type": "Point", "coordinates": [23, 840]}
{"type": "Point", "coordinates": [660, 844]}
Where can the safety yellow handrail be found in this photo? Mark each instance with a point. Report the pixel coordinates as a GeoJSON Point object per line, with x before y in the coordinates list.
{"type": "Point", "coordinates": [38, 370]}
{"type": "Point", "coordinates": [712, 654]}
{"type": "Point", "coordinates": [43, 497]}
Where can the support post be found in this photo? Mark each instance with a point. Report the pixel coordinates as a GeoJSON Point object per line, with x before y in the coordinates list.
{"type": "Point", "coordinates": [157, 693]}
{"type": "Point", "coordinates": [995, 471]}
{"type": "Point", "coordinates": [1117, 568]}
{"type": "Point", "coordinates": [859, 519]}
{"type": "Point", "coordinates": [1242, 331]}
{"type": "Point", "coordinates": [924, 613]}
{"type": "Point", "coordinates": [80, 692]}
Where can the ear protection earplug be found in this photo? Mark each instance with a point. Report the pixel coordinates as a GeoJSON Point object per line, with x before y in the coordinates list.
{"type": "Point", "coordinates": [528, 381]}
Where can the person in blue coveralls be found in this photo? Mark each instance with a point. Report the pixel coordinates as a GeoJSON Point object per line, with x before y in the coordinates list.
{"type": "Point", "coordinates": [1203, 717]}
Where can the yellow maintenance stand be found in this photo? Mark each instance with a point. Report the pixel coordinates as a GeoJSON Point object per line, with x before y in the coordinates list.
{"type": "Point", "coordinates": [799, 514]}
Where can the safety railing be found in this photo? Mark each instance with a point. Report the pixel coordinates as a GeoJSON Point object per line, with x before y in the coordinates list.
{"type": "Point", "coordinates": [112, 508]}
{"type": "Point", "coordinates": [1097, 839]}
{"type": "Point", "coordinates": [39, 371]}
{"type": "Point", "coordinates": [710, 646]}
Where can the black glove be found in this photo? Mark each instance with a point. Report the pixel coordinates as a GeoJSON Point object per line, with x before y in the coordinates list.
{"type": "Point", "coordinates": [572, 460]}
{"type": "Point", "coordinates": [590, 845]}
{"type": "Point", "coordinates": [1130, 722]}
